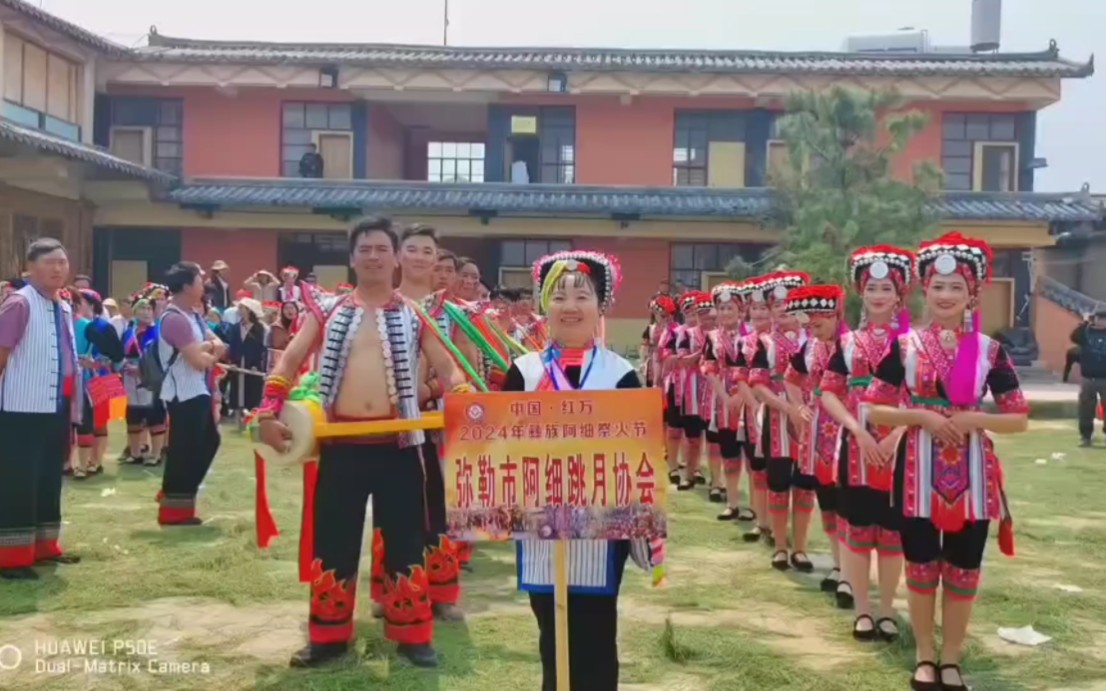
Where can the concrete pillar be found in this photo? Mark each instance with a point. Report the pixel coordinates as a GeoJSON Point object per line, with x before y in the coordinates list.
{"type": "Point", "coordinates": [88, 99]}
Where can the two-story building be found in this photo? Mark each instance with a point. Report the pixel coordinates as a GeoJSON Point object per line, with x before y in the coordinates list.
{"type": "Point", "coordinates": [661, 156]}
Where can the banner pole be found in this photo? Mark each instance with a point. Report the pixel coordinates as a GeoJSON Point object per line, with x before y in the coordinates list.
{"type": "Point", "coordinates": [560, 612]}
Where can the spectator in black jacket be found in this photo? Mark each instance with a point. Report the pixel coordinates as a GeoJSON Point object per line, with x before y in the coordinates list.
{"type": "Point", "coordinates": [1090, 338]}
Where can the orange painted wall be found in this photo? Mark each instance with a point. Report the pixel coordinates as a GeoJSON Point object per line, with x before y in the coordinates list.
{"type": "Point", "coordinates": [1052, 326]}
{"type": "Point", "coordinates": [246, 251]}
{"type": "Point", "coordinates": [233, 134]}
{"type": "Point", "coordinates": [644, 263]}
{"type": "Point", "coordinates": [386, 156]}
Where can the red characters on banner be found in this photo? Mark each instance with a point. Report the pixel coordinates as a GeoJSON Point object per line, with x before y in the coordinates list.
{"type": "Point", "coordinates": [599, 483]}
{"type": "Point", "coordinates": [464, 482]}
{"type": "Point", "coordinates": [646, 480]}
{"type": "Point", "coordinates": [623, 482]}
{"type": "Point", "coordinates": [487, 481]}
{"type": "Point", "coordinates": [577, 481]}
{"type": "Point", "coordinates": [530, 481]}
{"type": "Point", "coordinates": [554, 482]}
{"type": "Point", "coordinates": [507, 469]}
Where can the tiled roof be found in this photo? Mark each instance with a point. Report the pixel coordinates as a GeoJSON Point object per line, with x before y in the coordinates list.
{"type": "Point", "coordinates": [582, 200]}
{"type": "Point", "coordinates": [74, 151]}
{"type": "Point", "coordinates": [82, 36]}
{"type": "Point", "coordinates": [1047, 63]}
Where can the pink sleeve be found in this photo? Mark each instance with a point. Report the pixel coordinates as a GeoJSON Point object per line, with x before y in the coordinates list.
{"type": "Point", "coordinates": [14, 314]}
{"type": "Point", "coordinates": [176, 330]}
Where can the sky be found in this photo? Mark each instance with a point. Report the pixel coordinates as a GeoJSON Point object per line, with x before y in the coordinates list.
{"type": "Point", "coordinates": [1069, 133]}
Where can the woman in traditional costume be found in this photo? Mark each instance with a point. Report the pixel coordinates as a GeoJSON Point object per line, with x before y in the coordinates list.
{"type": "Point", "coordinates": [728, 377]}
{"type": "Point", "coordinates": [947, 479]}
{"type": "Point", "coordinates": [776, 443]}
{"type": "Point", "coordinates": [663, 310]}
{"type": "Point", "coordinates": [672, 382]}
{"type": "Point", "coordinates": [821, 309]}
{"type": "Point", "coordinates": [696, 392]}
{"type": "Point", "coordinates": [145, 413]}
{"type": "Point", "coordinates": [98, 349]}
{"type": "Point", "coordinates": [759, 324]}
{"type": "Point", "coordinates": [866, 520]}
{"type": "Point", "coordinates": [576, 288]}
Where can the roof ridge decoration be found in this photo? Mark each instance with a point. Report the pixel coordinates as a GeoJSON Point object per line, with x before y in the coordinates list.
{"type": "Point", "coordinates": [1045, 63]}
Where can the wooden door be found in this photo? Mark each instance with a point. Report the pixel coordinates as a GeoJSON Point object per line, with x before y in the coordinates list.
{"type": "Point", "coordinates": [336, 149]}
{"type": "Point", "coordinates": [996, 306]}
{"type": "Point", "coordinates": [329, 276]}
{"type": "Point", "coordinates": [127, 276]}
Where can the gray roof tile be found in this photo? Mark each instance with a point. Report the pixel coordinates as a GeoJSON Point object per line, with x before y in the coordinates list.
{"type": "Point", "coordinates": [75, 151]}
{"type": "Point", "coordinates": [78, 34]}
{"type": "Point", "coordinates": [1047, 63]}
{"type": "Point", "coordinates": [512, 199]}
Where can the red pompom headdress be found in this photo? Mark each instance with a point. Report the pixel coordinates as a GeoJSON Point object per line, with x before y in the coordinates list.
{"type": "Point", "coordinates": [776, 286]}
{"type": "Point", "coordinates": [882, 261]}
{"type": "Point", "coordinates": [704, 302]}
{"type": "Point", "coordinates": [816, 300]}
{"type": "Point", "coordinates": [687, 301]}
{"type": "Point", "coordinates": [663, 304]}
{"type": "Point", "coordinates": [953, 253]}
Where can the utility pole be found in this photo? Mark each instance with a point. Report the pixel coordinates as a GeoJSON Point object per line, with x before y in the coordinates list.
{"type": "Point", "coordinates": [445, 23]}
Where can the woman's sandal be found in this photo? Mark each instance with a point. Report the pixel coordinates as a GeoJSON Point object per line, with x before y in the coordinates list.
{"type": "Point", "coordinates": [919, 685]}
{"type": "Point", "coordinates": [844, 595]}
{"type": "Point", "coordinates": [864, 634]}
{"type": "Point", "coordinates": [888, 629]}
{"type": "Point", "coordinates": [802, 563]}
{"type": "Point", "coordinates": [746, 515]}
{"type": "Point", "coordinates": [777, 563]}
{"type": "Point", "coordinates": [945, 686]}
{"type": "Point", "coordinates": [829, 583]}
{"type": "Point", "coordinates": [699, 478]}
{"type": "Point", "coordinates": [729, 514]}
{"type": "Point", "coordinates": [753, 534]}
{"type": "Point", "coordinates": [674, 477]}
{"type": "Point", "coordinates": [717, 495]}
{"type": "Point", "coordinates": [684, 485]}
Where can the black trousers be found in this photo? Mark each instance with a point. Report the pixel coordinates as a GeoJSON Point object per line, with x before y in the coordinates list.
{"type": "Point", "coordinates": [33, 451]}
{"type": "Point", "coordinates": [349, 474]}
{"type": "Point", "coordinates": [1092, 393]}
{"type": "Point", "coordinates": [592, 635]}
{"type": "Point", "coordinates": [193, 442]}
{"type": "Point", "coordinates": [435, 494]}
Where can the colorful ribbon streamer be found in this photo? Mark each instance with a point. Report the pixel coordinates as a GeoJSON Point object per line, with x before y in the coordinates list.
{"type": "Point", "coordinates": [458, 356]}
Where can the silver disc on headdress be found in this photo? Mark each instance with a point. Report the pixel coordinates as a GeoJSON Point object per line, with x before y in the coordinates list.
{"type": "Point", "coordinates": [572, 265]}
{"type": "Point", "coordinates": [757, 296]}
{"type": "Point", "coordinates": [879, 270]}
{"type": "Point", "coordinates": [945, 265]}
{"type": "Point", "coordinates": [725, 296]}
{"type": "Point", "coordinates": [779, 292]}
{"type": "Point", "coordinates": [803, 317]}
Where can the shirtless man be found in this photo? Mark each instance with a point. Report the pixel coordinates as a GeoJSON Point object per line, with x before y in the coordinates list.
{"type": "Point", "coordinates": [371, 342]}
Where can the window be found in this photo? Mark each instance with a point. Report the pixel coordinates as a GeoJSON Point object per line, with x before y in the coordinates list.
{"type": "Point", "coordinates": [779, 158]}
{"type": "Point", "coordinates": [455, 161]}
{"type": "Point", "coordinates": [41, 88]}
{"type": "Point", "coordinates": [329, 126]}
{"type": "Point", "coordinates": [709, 149]}
{"type": "Point", "coordinates": [516, 257]}
{"type": "Point", "coordinates": [516, 278]}
{"type": "Point", "coordinates": [697, 266]}
{"type": "Point", "coordinates": [979, 151]}
{"type": "Point", "coordinates": [153, 122]}
{"type": "Point", "coordinates": [557, 131]}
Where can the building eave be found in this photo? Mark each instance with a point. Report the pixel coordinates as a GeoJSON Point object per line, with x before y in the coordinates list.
{"type": "Point", "coordinates": [489, 200]}
{"type": "Point", "coordinates": [41, 142]}
{"type": "Point", "coordinates": [76, 33]}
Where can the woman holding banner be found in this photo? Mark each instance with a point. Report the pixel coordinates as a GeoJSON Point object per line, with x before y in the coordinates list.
{"type": "Point", "coordinates": [575, 289]}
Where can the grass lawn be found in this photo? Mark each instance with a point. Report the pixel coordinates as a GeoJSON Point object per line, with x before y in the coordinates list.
{"type": "Point", "coordinates": [726, 621]}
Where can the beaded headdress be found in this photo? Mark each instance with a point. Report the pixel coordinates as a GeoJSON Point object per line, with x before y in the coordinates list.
{"type": "Point", "coordinates": [603, 269]}
{"type": "Point", "coordinates": [882, 261]}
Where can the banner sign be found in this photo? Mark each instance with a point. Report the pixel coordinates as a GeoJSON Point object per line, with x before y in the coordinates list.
{"type": "Point", "coordinates": [555, 465]}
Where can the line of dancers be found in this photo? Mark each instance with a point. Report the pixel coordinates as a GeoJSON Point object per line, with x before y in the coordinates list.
{"type": "Point", "coordinates": [880, 426]}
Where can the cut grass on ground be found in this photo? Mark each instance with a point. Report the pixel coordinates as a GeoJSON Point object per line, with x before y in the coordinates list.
{"type": "Point", "coordinates": [727, 621]}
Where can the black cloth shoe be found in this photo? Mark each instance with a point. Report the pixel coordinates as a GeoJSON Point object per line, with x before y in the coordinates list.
{"type": "Point", "coordinates": [195, 520]}
{"type": "Point", "coordinates": [957, 684]}
{"type": "Point", "coordinates": [419, 655]}
{"type": "Point", "coordinates": [801, 562]}
{"type": "Point", "coordinates": [779, 560]}
{"type": "Point", "coordinates": [868, 634]}
{"type": "Point", "coordinates": [829, 583]}
{"type": "Point", "coordinates": [888, 629]}
{"type": "Point", "coordinates": [716, 495]}
{"type": "Point", "coordinates": [918, 685]}
{"type": "Point", "coordinates": [844, 595]}
{"type": "Point", "coordinates": [315, 654]}
{"type": "Point", "coordinates": [1084, 443]}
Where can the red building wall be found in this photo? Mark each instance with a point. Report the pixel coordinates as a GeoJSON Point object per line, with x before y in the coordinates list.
{"type": "Point", "coordinates": [246, 251]}
{"type": "Point", "coordinates": [235, 134]}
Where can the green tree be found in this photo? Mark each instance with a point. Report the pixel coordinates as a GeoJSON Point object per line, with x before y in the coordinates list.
{"type": "Point", "coordinates": [836, 191]}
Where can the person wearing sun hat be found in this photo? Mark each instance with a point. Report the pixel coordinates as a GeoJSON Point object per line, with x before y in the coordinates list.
{"type": "Point", "coordinates": [866, 520]}
{"type": "Point", "coordinates": [821, 309]}
{"type": "Point", "coordinates": [576, 289]}
{"type": "Point", "coordinates": [767, 366]}
{"type": "Point", "coordinates": [948, 481]}
{"type": "Point", "coordinates": [216, 289]}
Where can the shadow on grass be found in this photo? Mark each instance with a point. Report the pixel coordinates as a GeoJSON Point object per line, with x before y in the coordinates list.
{"type": "Point", "coordinates": [176, 535]}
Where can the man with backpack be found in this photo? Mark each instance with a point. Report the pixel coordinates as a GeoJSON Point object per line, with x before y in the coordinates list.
{"type": "Point", "coordinates": [186, 350]}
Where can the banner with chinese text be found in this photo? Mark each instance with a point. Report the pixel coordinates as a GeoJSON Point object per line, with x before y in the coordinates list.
{"type": "Point", "coordinates": [555, 465]}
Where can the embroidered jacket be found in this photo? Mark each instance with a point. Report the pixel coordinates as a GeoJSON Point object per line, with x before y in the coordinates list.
{"type": "Point", "coordinates": [818, 447]}
{"type": "Point", "coordinates": [848, 376]}
{"type": "Point", "coordinates": [723, 356]}
{"type": "Point", "coordinates": [340, 317]}
{"type": "Point", "coordinates": [594, 565]}
{"type": "Point", "coordinates": [948, 483]}
{"type": "Point", "coordinates": [767, 367]}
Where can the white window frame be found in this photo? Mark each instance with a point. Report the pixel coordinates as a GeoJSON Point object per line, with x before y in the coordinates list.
{"type": "Point", "coordinates": [977, 162]}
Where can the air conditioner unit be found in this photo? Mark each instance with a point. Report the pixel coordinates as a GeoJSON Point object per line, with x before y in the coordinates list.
{"type": "Point", "coordinates": [900, 42]}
